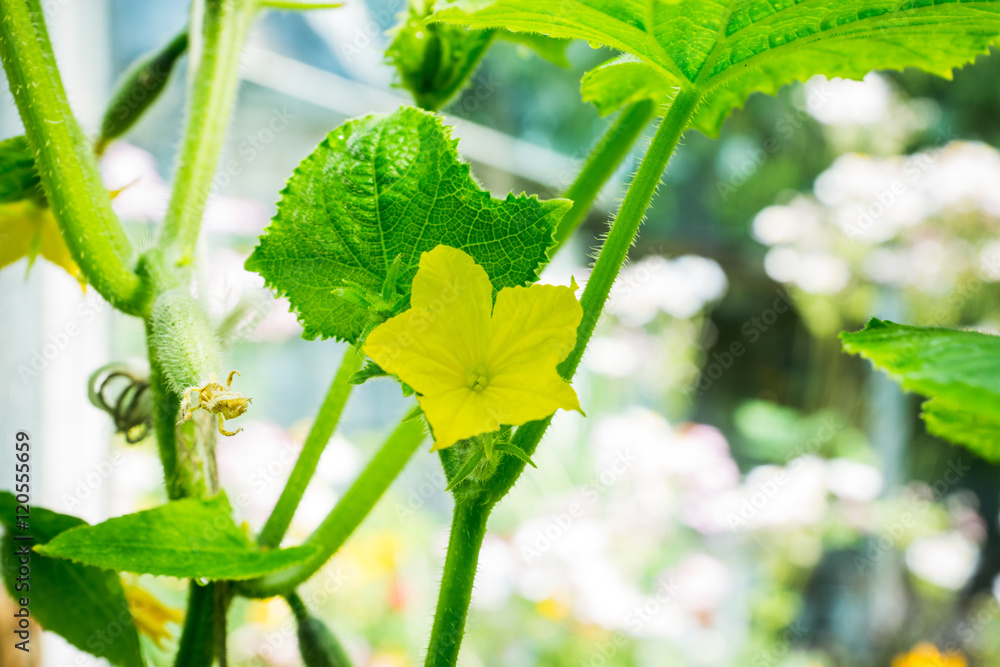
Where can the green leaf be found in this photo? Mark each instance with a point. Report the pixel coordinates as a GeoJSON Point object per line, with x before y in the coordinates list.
{"type": "Point", "coordinates": [622, 81]}
{"type": "Point", "coordinates": [18, 177]}
{"type": "Point", "coordinates": [185, 538]}
{"type": "Point", "coordinates": [727, 50]}
{"type": "Point", "coordinates": [958, 370]}
{"type": "Point", "coordinates": [550, 48]}
{"type": "Point", "coordinates": [84, 605]}
{"type": "Point", "coordinates": [385, 186]}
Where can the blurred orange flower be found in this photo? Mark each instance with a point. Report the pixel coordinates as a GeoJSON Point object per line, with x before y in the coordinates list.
{"type": "Point", "coordinates": [926, 654]}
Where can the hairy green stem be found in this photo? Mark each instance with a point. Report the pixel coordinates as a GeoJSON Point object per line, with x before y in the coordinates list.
{"type": "Point", "coordinates": [626, 224]}
{"type": "Point", "coordinates": [68, 169]}
{"type": "Point", "coordinates": [197, 644]}
{"type": "Point", "coordinates": [222, 599]}
{"type": "Point", "coordinates": [214, 52]}
{"type": "Point", "coordinates": [349, 512]}
{"type": "Point", "coordinates": [469, 522]}
{"type": "Point", "coordinates": [602, 162]}
{"type": "Point", "coordinates": [468, 527]}
{"type": "Point", "coordinates": [218, 31]}
{"type": "Point", "coordinates": [319, 435]}
{"type": "Point", "coordinates": [609, 263]}
{"type": "Point", "coordinates": [165, 406]}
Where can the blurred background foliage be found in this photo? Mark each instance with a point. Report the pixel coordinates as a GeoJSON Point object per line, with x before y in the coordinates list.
{"type": "Point", "coordinates": [742, 492]}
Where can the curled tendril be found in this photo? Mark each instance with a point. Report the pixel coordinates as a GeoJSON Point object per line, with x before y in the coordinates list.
{"type": "Point", "coordinates": [122, 390]}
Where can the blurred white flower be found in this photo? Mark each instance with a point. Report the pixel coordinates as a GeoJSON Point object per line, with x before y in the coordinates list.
{"type": "Point", "coordinates": [495, 574]}
{"type": "Point", "coordinates": [702, 581]}
{"type": "Point", "coordinates": [680, 287]}
{"type": "Point", "coordinates": [847, 102]}
{"type": "Point", "coordinates": [145, 194]}
{"type": "Point", "coordinates": [853, 480]}
{"type": "Point", "coordinates": [946, 560]}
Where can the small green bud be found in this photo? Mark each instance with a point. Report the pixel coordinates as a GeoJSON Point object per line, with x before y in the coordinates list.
{"type": "Point", "coordinates": [317, 645]}
{"type": "Point", "coordinates": [138, 89]}
{"type": "Point", "coordinates": [434, 60]}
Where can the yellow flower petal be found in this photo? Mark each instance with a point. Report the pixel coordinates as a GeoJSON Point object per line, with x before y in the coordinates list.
{"type": "Point", "coordinates": [410, 347]}
{"type": "Point", "coordinates": [432, 345]}
{"type": "Point", "coordinates": [531, 326]}
{"type": "Point", "coordinates": [456, 296]}
{"type": "Point", "coordinates": [27, 229]}
{"type": "Point", "coordinates": [17, 233]}
{"type": "Point", "coordinates": [150, 615]}
{"type": "Point", "coordinates": [53, 248]}
{"type": "Point", "coordinates": [529, 394]}
{"type": "Point", "coordinates": [926, 654]}
{"type": "Point", "coordinates": [458, 414]}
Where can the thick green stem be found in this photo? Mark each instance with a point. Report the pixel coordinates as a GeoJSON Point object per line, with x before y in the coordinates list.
{"type": "Point", "coordinates": [609, 263]}
{"type": "Point", "coordinates": [165, 406]}
{"type": "Point", "coordinates": [602, 162]}
{"type": "Point", "coordinates": [66, 164]}
{"type": "Point", "coordinates": [197, 645]}
{"type": "Point", "coordinates": [349, 512]}
{"type": "Point", "coordinates": [215, 53]}
{"type": "Point", "coordinates": [468, 527]}
{"type": "Point", "coordinates": [319, 435]}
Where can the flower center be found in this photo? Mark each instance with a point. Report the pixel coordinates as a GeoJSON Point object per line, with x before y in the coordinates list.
{"type": "Point", "coordinates": [477, 379]}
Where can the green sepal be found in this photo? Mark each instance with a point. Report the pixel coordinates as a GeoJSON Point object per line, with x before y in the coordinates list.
{"type": "Point", "coordinates": [19, 178]}
{"type": "Point", "coordinates": [515, 451]}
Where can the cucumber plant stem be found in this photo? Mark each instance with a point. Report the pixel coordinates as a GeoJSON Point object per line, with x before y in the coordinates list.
{"type": "Point", "coordinates": [470, 514]}
{"type": "Point", "coordinates": [468, 527]}
{"type": "Point", "coordinates": [601, 164]}
{"type": "Point", "coordinates": [349, 511]}
{"type": "Point", "coordinates": [305, 466]}
{"type": "Point", "coordinates": [80, 203]}
{"type": "Point", "coordinates": [218, 32]}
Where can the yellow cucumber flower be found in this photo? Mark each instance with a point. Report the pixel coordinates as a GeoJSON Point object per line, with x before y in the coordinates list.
{"type": "Point", "coordinates": [476, 366]}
